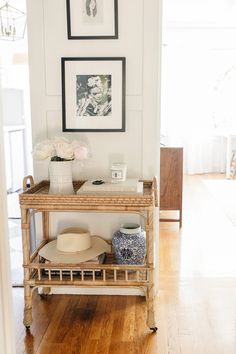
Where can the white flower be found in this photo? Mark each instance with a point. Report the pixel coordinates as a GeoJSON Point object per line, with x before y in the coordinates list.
{"type": "Point", "coordinates": [81, 153]}
{"type": "Point", "coordinates": [44, 150]}
{"type": "Point", "coordinates": [65, 150]}
{"type": "Point", "coordinates": [61, 149]}
{"type": "Point", "coordinates": [80, 150]}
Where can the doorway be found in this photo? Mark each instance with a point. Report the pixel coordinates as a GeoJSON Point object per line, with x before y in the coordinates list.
{"type": "Point", "coordinates": [199, 81]}
{"type": "Point", "coordinates": [15, 97]}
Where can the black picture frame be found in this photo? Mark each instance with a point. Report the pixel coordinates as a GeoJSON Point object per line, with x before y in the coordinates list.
{"type": "Point", "coordinates": [93, 94]}
{"type": "Point", "coordinates": [79, 29]}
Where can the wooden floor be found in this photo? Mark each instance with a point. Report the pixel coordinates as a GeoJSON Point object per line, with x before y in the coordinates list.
{"type": "Point", "coordinates": [196, 304]}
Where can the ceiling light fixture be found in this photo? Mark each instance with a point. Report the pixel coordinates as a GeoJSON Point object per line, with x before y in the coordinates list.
{"type": "Point", "coordinates": [12, 22]}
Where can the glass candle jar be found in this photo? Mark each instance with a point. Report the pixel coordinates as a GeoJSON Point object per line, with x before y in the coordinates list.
{"type": "Point", "coordinates": [118, 172]}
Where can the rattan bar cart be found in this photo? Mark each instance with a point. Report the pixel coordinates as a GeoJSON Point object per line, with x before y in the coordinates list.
{"type": "Point", "coordinates": [37, 273]}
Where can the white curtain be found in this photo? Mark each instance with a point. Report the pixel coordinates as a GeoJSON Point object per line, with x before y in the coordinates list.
{"type": "Point", "coordinates": [202, 154]}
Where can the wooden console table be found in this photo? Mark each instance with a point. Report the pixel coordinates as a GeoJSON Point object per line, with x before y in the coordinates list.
{"type": "Point", "coordinates": [37, 273]}
{"type": "Point", "coordinates": [171, 181]}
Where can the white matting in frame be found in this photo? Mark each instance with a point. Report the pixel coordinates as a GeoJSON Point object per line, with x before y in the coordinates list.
{"type": "Point", "coordinates": [92, 19]}
{"type": "Point", "coordinates": [93, 94]}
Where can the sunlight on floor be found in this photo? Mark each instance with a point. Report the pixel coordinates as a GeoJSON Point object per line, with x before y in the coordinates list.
{"type": "Point", "coordinates": [207, 241]}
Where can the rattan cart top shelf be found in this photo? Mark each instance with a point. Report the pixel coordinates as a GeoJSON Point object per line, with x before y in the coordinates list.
{"type": "Point", "coordinates": [37, 196]}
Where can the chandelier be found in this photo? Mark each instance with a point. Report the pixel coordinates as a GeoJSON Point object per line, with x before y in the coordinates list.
{"type": "Point", "coordinates": [12, 22]}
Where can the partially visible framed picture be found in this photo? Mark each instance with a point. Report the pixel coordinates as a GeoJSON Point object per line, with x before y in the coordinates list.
{"type": "Point", "coordinates": [93, 94]}
{"type": "Point", "coordinates": [92, 19]}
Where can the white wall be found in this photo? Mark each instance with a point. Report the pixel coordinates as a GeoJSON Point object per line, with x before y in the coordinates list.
{"type": "Point", "coordinates": [139, 42]}
{"type": "Point", "coordinates": [48, 43]}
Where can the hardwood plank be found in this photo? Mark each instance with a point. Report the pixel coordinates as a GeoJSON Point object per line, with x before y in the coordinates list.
{"type": "Point", "coordinates": [97, 322]}
{"type": "Point", "coordinates": [107, 325]}
{"type": "Point", "coordinates": [91, 347]}
{"type": "Point", "coordinates": [79, 326]}
{"type": "Point", "coordinates": [141, 330]}
{"type": "Point", "coordinates": [129, 320]}
{"type": "Point", "coordinates": [118, 318]}
{"type": "Point", "coordinates": [121, 347]}
{"type": "Point", "coordinates": [42, 318]}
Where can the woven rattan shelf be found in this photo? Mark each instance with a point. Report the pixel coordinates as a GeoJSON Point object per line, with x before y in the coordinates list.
{"type": "Point", "coordinates": [38, 273]}
{"type": "Point", "coordinates": [82, 275]}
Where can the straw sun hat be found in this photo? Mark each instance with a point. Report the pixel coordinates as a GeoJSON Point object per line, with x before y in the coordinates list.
{"type": "Point", "coordinates": [74, 245]}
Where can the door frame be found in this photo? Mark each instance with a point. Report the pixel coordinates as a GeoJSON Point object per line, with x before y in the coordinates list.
{"type": "Point", "coordinates": [7, 343]}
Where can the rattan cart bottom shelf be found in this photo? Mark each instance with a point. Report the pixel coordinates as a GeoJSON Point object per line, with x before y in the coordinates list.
{"type": "Point", "coordinates": [108, 273]}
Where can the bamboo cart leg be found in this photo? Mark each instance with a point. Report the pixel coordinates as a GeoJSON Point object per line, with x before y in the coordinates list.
{"type": "Point", "coordinates": [45, 221]}
{"type": "Point", "coordinates": [151, 320]}
{"type": "Point", "coordinates": [25, 226]}
{"type": "Point", "coordinates": [28, 306]}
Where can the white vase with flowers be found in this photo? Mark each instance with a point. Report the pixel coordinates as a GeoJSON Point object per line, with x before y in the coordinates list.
{"type": "Point", "coordinates": [61, 153]}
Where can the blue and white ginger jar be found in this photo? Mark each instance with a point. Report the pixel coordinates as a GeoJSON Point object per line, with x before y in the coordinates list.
{"type": "Point", "coordinates": [129, 244]}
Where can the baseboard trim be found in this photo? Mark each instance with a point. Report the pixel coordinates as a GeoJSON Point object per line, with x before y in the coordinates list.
{"type": "Point", "coordinates": [96, 291]}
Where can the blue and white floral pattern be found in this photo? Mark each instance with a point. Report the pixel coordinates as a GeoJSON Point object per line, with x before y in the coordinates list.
{"type": "Point", "coordinates": [129, 248]}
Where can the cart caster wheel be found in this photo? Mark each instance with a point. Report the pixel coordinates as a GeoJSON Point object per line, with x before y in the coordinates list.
{"type": "Point", "coordinates": [154, 329]}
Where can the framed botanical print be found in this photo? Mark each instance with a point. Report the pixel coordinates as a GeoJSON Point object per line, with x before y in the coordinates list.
{"type": "Point", "coordinates": [92, 19]}
{"type": "Point", "coordinates": [93, 94]}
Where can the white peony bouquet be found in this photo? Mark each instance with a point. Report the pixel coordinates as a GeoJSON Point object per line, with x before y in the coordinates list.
{"type": "Point", "coordinates": [61, 149]}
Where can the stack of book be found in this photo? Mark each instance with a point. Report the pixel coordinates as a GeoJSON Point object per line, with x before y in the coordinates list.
{"type": "Point", "coordinates": [97, 260]}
